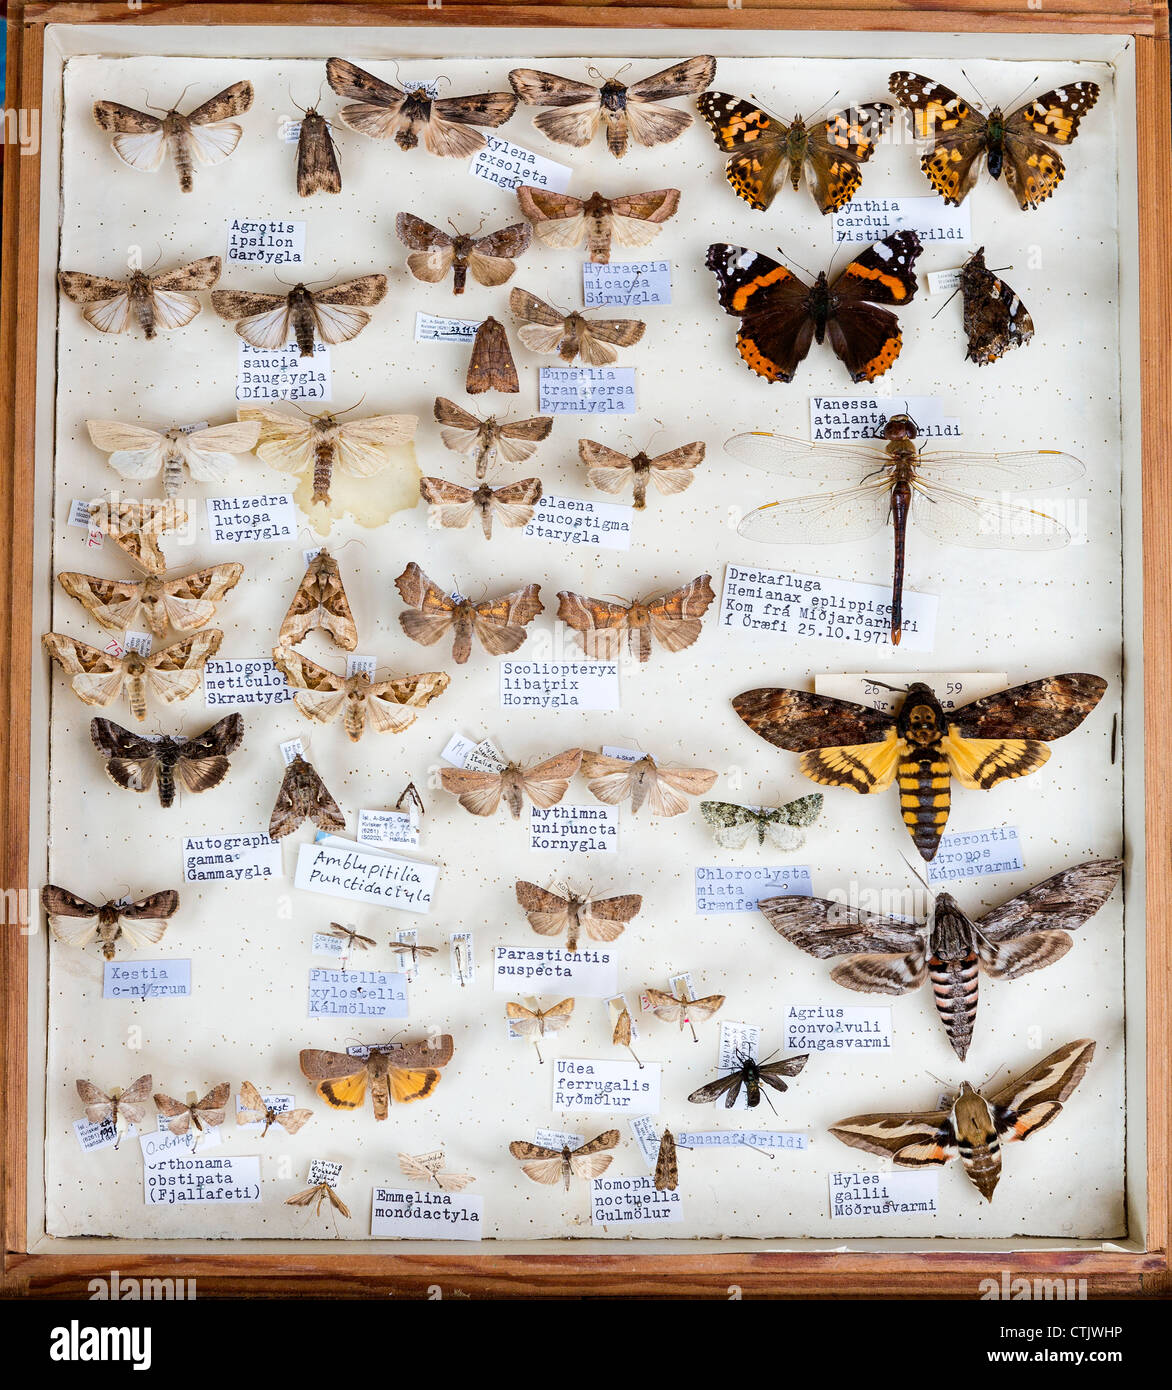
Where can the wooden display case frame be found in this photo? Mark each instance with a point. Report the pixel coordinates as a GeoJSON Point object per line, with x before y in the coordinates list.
{"type": "Point", "coordinates": [31, 1267]}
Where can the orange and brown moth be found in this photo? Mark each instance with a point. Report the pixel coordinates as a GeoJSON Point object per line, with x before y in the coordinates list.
{"type": "Point", "coordinates": [196, 764]}
{"type": "Point", "coordinates": [206, 135]}
{"type": "Point", "coordinates": [317, 156]}
{"type": "Point", "coordinates": [546, 329]}
{"type": "Point", "coordinates": [498, 623]}
{"type": "Point", "coordinates": [533, 1024]}
{"type": "Point", "coordinates": [562, 221]}
{"type": "Point", "coordinates": [301, 315]}
{"type": "Point", "coordinates": [98, 678]}
{"type": "Point", "coordinates": [491, 260]}
{"type": "Point", "coordinates": [611, 471]}
{"type": "Point", "coordinates": [159, 301]}
{"type": "Point", "coordinates": [465, 433]}
{"type": "Point", "coordinates": [390, 706]}
{"type": "Point", "coordinates": [252, 1110]}
{"type": "Point", "coordinates": [681, 1008]}
{"type": "Point", "coordinates": [481, 793]}
{"type": "Point", "coordinates": [137, 528]}
{"type": "Point", "coordinates": [320, 602]}
{"type": "Point", "coordinates": [673, 620]}
{"type": "Point", "coordinates": [77, 922]}
{"type": "Point", "coordinates": [452, 505]}
{"type": "Point", "coordinates": [207, 1113]}
{"type": "Point", "coordinates": [588, 1160]}
{"type": "Point", "coordinates": [491, 366]}
{"type": "Point", "coordinates": [303, 796]}
{"type": "Point", "coordinates": [601, 919]}
{"type": "Point", "coordinates": [614, 780]}
{"type": "Point", "coordinates": [405, 1073]}
{"type": "Point", "coordinates": [121, 1108]}
{"type": "Point", "coordinates": [383, 112]}
{"type": "Point", "coordinates": [187, 603]}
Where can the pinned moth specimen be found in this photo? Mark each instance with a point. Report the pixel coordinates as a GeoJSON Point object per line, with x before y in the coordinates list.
{"type": "Point", "coordinates": [451, 505]}
{"type": "Point", "coordinates": [498, 623]}
{"type": "Point", "coordinates": [186, 604]}
{"type": "Point", "coordinates": [624, 1034]}
{"type": "Point", "coordinates": [207, 134]}
{"type": "Point", "coordinates": [752, 1075]}
{"type": "Point", "coordinates": [490, 259]}
{"type": "Point", "coordinates": [681, 1009]}
{"type": "Point", "coordinates": [351, 937]}
{"type": "Point", "coordinates": [196, 764]}
{"type": "Point", "coordinates": [254, 1111]}
{"type": "Point", "coordinates": [303, 796]}
{"type": "Point", "coordinates": [121, 1108]}
{"type": "Point", "coordinates": [139, 453]}
{"type": "Point", "coordinates": [136, 528]}
{"type": "Point", "coordinates": [673, 620]}
{"type": "Point", "coordinates": [784, 827]}
{"type": "Point", "coordinates": [407, 1073]}
{"type": "Point", "coordinates": [206, 1113]}
{"type": "Point", "coordinates": [977, 1125]}
{"type": "Point", "coordinates": [491, 366]}
{"type": "Point", "coordinates": [667, 1173]}
{"type": "Point", "coordinates": [898, 481]}
{"type": "Point", "coordinates": [302, 315]}
{"type": "Point", "coordinates": [159, 301]}
{"type": "Point", "coordinates": [601, 919]}
{"type": "Point", "coordinates": [533, 1024]}
{"type": "Point", "coordinates": [546, 329]}
{"type": "Point", "coordinates": [482, 792]}
{"type": "Point", "coordinates": [320, 602]}
{"type": "Point", "coordinates": [427, 1168]}
{"type": "Point", "coordinates": [465, 433]}
{"type": "Point", "coordinates": [981, 744]}
{"type": "Point", "coordinates": [562, 221]}
{"type": "Point", "coordinates": [610, 471]}
{"type": "Point", "coordinates": [615, 779]}
{"type": "Point", "coordinates": [634, 112]}
{"type": "Point", "coordinates": [98, 678]}
{"type": "Point", "coordinates": [950, 950]}
{"type": "Point", "coordinates": [413, 949]}
{"type": "Point", "coordinates": [415, 809]}
{"type": "Point", "coordinates": [317, 156]}
{"type": "Point", "coordinates": [390, 706]}
{"type": "Point", "coordinates": [323, 442]}
{"type": "Point", "coordinates": [765, 153]}
{"type": "Point", "coordinates": [383, 111]}
{"type": "Point", "coordinates": [995, 319]}
{"type": "Point", "coordinates": [589, 1160]}
{"type": "Point", "coordinates": [321, 1191]}
{"type": "Point", "coordinates": [77, 922]}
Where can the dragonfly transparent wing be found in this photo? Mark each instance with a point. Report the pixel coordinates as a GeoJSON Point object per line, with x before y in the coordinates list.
{"type": "Point", "coordinates": [821, 519]}
{"type": "Point", "coordinates": [797, 458]}
{"type": "Point", "coordinates": [984, 522]}
{"type": "Point", "coordinates": [1015, 472]}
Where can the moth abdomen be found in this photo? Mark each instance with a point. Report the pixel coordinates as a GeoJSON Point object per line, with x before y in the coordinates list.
{"type": "Point", "coordinates": [925, 799]}
{"type": "Point", "coordinates": [166, 776]}
{"type": "Point", "coordinates": [954, 991]}
{"type": "Point", "coordinates": [323, 468]}
{"type": "Point", "coordinates": [303, 325]}
{"type": "Point", "coordinates": [181, 153]}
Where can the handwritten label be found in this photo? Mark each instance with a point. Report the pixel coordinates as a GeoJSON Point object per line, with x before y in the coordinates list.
{"type": "Point", "coordinates": [323, 1170]}
{"type": "Point", "coordinates": [479, 757]}
{"type": "Point", "coordinates": [971, 853]}
{"type": "Point", "coordinates": [230, 857]}
{"type": "Point", "coordinates": [581, 521]}
{"type": "Point", "coordinates": [828, 610]}
{"type": "Point", "coordinates": [146, 979]}
{"type": "Point", "coordinates": [359, 664]}
{"type": "Point", "coordinates": [606, 1086]}
{"type": "Point", "coordinates": [952, 688]}
{"type": "Point", "coordinates": [884, 1195]}
{"type": "Point", "coordinates": [282, 374]}
{"type": "Point", "coordinates": [620, 1201]}
{"type": "Point", "coordinates": [822, 1028]}
{"type": "Point", "coordinates": [173, 1174]}
{"type": "Point", "coordinates": [626, 282]}
{"type": "Point", "coordinates": [268, 516]}
{"type": "Point", "coordinates": [559, 685]}
{"type": "Point", "coordinates": [433, 328]}
{"type": "Point", "coordinates": [506, 165]}
{"type": "Point", "coordinates": [357, 994]}
{"type": "Point", "coordinates": [250, 681]}
{"type": "Point", "coordinates": [103, 1135]}
{"type": "Point", "coordinates": [265, 241]}
{"type": "Point", "coordinates": [586, 390]}
{"type": "Point", "coordinates": [210, 1137]}
{"type": "Point", "coordinates": [384, 829]}
{"type": "Point", "coordinates": [366, 876]}
{"type": "Point", "coordinates": [586, 974]}
{"type": "Point", "coordinates": [863, 417]}
{"type": "Point", "coordinates": [461, 958]}
{"type": "Point", "coordinates": [405, 1214]}
{"type": "Point", "coordinates": [723, 888]}
{"type": "Point", "coordinates": [574, 829]}
{"type": "Point", "coordinates": [738, 1041]}
{"type": "Point", "coordinates": [872, 219]}
{"type": "Point", "coordinates": [646, 1135]}
{"type": "Point", "coordinates": [323, 945]}
{"type": "Point", "coordinates": [944, 281]}
{"type": "Point", "coordinates": [736, 1138]}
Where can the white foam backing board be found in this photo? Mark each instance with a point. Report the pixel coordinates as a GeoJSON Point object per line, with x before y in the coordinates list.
{"type": "Point", "coordinates": [1027, 614]}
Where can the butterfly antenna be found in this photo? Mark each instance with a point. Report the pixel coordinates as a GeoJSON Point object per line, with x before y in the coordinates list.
{"type": "Point", "coordinates": [814, 114]}
{"type": "Point", "coordinates": [977, 89]}
{"type": "Point", "coordinates": [799, 265]}
{"type": "Point", "coordinates": [1023, 91]}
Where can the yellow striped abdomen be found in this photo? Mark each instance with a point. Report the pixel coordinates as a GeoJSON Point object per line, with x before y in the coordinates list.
{"type": "Point", "coordinates": [925, 785]}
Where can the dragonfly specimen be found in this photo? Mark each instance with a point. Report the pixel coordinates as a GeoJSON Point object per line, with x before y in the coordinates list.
{"type": "Point", "coordinates": [898, 481]}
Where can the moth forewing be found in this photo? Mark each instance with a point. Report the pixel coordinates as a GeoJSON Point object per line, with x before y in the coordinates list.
{"type": "Point", "coordinates": [667, 1175]}
{"type": "Point", "coordinates": [303, 796]}
{"type": "Point", "coordinates": [491, 366]}
{"type": "Point", "coordinates": [320, 602]}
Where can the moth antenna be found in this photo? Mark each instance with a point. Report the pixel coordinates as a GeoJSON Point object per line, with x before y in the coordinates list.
{"type": "Point", "coordinates": [349, 408]}
{"type": "Point", "coordinates": [452, 224]}
{"type": "Point", "coordinates": [442, 77]}
{"type": "Point", "coordinates": [395, 65]}
{"type": "Point", "coordinates": [302, 109]}
{"type": "Point", "coordinates": [620, 72]}
{"type": "Point", "coordinates": [807, 119]}
{"type": "Point", "coordinates": [592, 71]}
{"type": "Point", "coordinates": [481, 223]}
